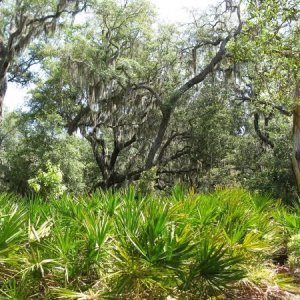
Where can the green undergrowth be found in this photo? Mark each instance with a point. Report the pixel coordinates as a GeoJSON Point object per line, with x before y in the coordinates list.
{"type": "Point", "coordinates": [125, 246]}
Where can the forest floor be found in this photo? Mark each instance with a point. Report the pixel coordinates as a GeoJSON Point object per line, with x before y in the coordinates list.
{"type": "Point", "coordinates": [248, 291]}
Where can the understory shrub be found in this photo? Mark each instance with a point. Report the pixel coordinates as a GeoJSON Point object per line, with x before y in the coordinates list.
{"type": "Point", "coordinates": [49, 183]}
{"type": "Point", "coordinates": [294, 251]}
{"type": "Point", "coordinates": [125, 245]}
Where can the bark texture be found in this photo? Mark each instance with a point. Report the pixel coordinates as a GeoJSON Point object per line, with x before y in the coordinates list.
{"type": "Point", "coordinates": [3, 88]}
{"type": "Point", "coordinates": [296, 136]}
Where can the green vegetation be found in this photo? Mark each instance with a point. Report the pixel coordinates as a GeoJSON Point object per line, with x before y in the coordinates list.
{"type": "Point", "coordinates": [48, 184]}
{"type": "Point", "coordinates": [121, 112]}
{"type": "Point", "coordinates": [125, 246]}
{"type": "Point", "coordinates": [115, 101]}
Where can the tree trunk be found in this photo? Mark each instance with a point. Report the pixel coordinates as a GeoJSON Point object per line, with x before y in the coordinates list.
{"type": "Point", "coordinates": [167, 113]}
{"type": "Point", "coordinates": [296, 136]}
{"type": "Point", "coordinates": [3, 88]}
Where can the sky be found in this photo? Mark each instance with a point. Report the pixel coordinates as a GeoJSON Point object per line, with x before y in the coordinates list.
{"type": "Point", "coordinates": [168, 11]}
{"type": "Point", "coordinates": [177, 10]}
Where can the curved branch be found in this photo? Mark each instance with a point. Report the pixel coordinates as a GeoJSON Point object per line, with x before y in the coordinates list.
{"type": "Point", "coordinates": [149, 89]}
{"type": "Point", "coordinates": [118, 148]}
{"type": "Point", "coordinates": [74, 123]}
{"type": "Point", "coordinates": [168, 109]}
{"type": "Point", "coordinates": [263, 137]}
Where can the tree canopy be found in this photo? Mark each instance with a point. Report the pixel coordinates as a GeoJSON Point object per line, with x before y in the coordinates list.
{"type": "Point", "coordinates": [205, 103]}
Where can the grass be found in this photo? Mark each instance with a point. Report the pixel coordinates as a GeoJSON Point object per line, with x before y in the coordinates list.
{"type": "Point", "coordinates": [125, 246]}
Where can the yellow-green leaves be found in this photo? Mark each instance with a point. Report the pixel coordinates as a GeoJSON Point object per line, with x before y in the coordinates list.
{"type": "Point", "coordinates": [48, 183]}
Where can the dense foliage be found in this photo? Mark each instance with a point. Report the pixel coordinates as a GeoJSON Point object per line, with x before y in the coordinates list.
{"type": "Point", "coordinates": [208, 103]}
{"type": "Point", "coordinates": [120, 109]}
{"type": "Point", "coordinates": [125, 246]}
